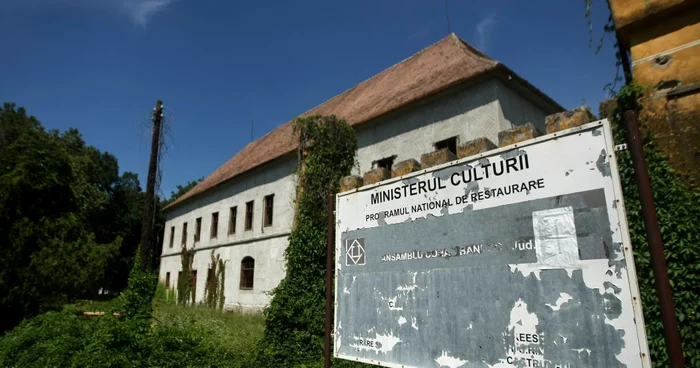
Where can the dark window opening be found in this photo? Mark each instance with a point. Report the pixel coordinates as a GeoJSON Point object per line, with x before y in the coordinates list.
{"type": "Point", "coordinates": [184, 234]}
{"type": "Point", "coordinates": [214, 230]}
{"type": "Point", "coordinates": [197, 229]}
{"type": "Point", "coordinates": [172, 236]}
{"type": "Point", "coordinates": [385, 163]}
{"type": "Point", "coordinates": [247, 273]}
{"type": "Point", "coordinates": [449, 143]}
{"type": "Point", "coordinates": [194, 285]}
{"type": "Point", "coordinates": [210, 277]}
{"type": "Point", "coordinates": [249, 215]}
{"type": "Point", "coordinates": [167, 280]}
{"type": "Point", "coordinates": [269, 204]}
{"type": "Point", "coordinates": [232, 220]}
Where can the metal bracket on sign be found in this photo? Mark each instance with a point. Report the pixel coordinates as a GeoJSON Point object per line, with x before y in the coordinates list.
{"type": "Point", "coordinates": [621, 147]}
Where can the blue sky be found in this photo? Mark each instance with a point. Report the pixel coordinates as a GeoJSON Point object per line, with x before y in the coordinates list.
{"type": "Point", "coordinates": [99, 66]}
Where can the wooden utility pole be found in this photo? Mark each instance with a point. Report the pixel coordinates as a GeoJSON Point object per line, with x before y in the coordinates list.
{"type": "Point", "coordinates": [146, 245]}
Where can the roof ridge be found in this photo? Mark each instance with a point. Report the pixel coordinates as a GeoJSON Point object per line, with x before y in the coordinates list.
{"type": "Point", "coordinates": [472, 51]}
{"type": "Point", "coordinates": [434, 68]}
{"type": "Point", "coordinates": [378, 74]}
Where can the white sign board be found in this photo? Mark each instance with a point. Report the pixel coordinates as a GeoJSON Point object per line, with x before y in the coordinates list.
{"type": "Point", "coordinates": [519, 257]}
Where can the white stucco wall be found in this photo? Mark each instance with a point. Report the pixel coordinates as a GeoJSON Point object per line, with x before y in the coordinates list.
{"type": "Point", "coordinates": [477, 111]}
{"type": "Point", "coordinates": [265, 244]}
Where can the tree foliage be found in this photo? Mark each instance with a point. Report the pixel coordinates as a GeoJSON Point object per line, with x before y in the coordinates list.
{"type": "Point", "coordinates": [180, 190]}
{"type": "Point", "coordinates": [678, 211]}
{"type": "Point", "coordinates": [294, 320]}
{"type": "Point", "coordinates": [69, 223]}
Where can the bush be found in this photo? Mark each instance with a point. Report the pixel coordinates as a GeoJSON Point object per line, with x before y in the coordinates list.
{"type": "Point", "coordinates": [179, 337]}
{"type": "Point", "coordinates": [48, 340]}
{"type": "Point", "coordinates": [294, 320]}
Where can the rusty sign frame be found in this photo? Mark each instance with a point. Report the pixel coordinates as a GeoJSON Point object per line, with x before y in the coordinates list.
{"type": "Point", "coordinates": [632, 281]}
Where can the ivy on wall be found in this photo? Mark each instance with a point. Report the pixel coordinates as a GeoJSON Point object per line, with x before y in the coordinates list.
{"type": "Point", "coordinates": [214, 288]}
{"type": "Point", "coordinates": [678, 211]}
{"type": "Point", "coordinates": [294, 320]}
{"type": "Point", "coordinates": [185, 280]}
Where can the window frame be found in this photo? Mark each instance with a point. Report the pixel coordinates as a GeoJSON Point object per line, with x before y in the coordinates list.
{"type": "Point", "coordinates": [214, 226]}
{"type": "Point", "coordinates": [446, 143]}
{"type": "Point", "coordinates": [268, 203]}
{"type": "Point", "coordinates": [167, 280]}
{"type": "Point", "coordinates": [194, 285]}
{"type": "Point", "coordinates": [232, 214]}
{"type": "Point", "coordinates": [184, 234]}
{"type": "Point", "coordinates": [249, 211]}
{"type": "Point", "coordinates": [243, 283]}
{"type": "Point", "coordinates": [382, 162]}
{"type": "Point", "coordinates": [197, 229]}
{"type": "Point", "coordinates": [172, 237]}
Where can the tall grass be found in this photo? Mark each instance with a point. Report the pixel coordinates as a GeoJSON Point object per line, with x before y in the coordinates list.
{"type": "Point", "coordinates": [177, 337]}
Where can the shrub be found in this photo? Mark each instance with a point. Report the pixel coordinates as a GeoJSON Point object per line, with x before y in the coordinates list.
{"type": "Point", "coordinates": [294, 320]}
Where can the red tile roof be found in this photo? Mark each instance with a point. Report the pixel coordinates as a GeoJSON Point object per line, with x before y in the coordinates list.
{"type": "Point", "coordinates": [441, 65]}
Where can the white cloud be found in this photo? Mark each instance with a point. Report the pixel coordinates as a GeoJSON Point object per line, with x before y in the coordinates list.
{"type": "Point", "coordinates": [138, 11]}
{"type": "Point", "coordinates": [484, 29]}
{"type": "Point", "coordinates": [141, 11]}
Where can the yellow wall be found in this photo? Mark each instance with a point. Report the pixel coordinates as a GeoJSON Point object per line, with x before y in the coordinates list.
{"type": "Point", "coordinates": [655, 30]}
{"type": "Point", "coordinates": [676, 37]}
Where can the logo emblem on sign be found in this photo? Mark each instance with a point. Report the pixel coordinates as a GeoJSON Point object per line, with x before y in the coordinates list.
{"type": "Point", "coordinates": [355, 252]}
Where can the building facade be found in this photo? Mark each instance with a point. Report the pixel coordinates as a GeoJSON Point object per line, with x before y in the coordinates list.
{"type": "Point", "coordinates": [662, 38]}
{"type": "Point", "coordinates": [446, 95]}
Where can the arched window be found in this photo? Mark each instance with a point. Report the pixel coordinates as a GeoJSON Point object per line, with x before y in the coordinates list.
{"type": "Point", "coordinates": [247, 272]}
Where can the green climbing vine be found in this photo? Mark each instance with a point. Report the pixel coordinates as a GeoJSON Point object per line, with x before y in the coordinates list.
{"type": "Point", "coordinates": [294, 320]}
{"type": "Point", "coordinates": [185, 280]}
{"type": "Point", "coordinates": [678, 210]}
{"type": "Point", "coordinates": [214, 288]}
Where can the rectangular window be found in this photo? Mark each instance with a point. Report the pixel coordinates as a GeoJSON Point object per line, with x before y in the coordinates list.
{"type": "Point", "coordinates": [247, 273]}
{"type": "Point", "coordinates": [249, 215]}
{"type": "Point", "coordinates": [167, 280]}
{"type": "Point", "coordinates": [214, 225]}
{"type": "Point", "coordinates": [194, 285]}
{"type": "Point", "coordinates": [233, 212]}
{"type": "Point", "coordinates": [172, 236]}
{"type": "Point", "coordinates": [184, 234]}
{"type": "Point", "coordinates": [449, 143]}
{"type": "Point", "coordinates": [197, 229]}
{"type": "Point", "coordinates": [385, 163]}
{"type": "Point", "coordinates": [269, 205]}
{"type": "Point", "coordinates": [211, 278]}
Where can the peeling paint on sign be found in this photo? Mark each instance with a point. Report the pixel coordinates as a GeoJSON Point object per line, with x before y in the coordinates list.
{"type": "Point", "coordinates": [467, 266]}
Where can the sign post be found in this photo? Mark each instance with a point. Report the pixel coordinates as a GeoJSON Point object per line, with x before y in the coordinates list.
{"type": "Point", "coordinates": [517, 257]}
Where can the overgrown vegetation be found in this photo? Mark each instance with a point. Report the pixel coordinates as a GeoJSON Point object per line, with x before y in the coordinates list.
{"type": "Point", "coordinates": [69, 223]}
{"type": "Point", "coordinates": [214, 287]}
{"type": "Point", "coordinates": [175, 337]}
{"type": "Point", "coordinates": [678, 210]}
{"type": "Point", "coordinates": [185, 279]}
{"type": "Point", "coordinates": [294, 320]}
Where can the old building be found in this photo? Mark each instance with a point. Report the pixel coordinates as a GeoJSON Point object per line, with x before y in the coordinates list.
{"type": "Point", "coordinates": [440, 98]}
{"type": "Point", "coordinates": [662, 38]}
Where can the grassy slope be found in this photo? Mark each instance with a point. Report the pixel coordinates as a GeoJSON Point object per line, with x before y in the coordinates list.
{"type": "Point", "coordinates": [179, 337]}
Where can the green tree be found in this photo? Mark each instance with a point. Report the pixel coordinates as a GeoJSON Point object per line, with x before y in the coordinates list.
{"type": "Point", "coordinates": [64, 213]}
{"type": "Point", "coordinates": [180, 190]}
